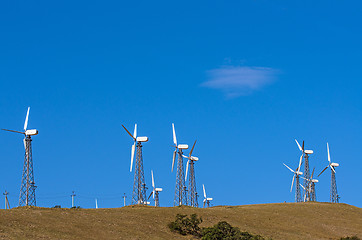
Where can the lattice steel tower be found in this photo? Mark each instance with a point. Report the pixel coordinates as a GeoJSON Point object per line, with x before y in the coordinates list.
{"type": "Point", "coordinates": [180, 189]}
{"type": "Point", "coordinates": [334, 198]}
{"type": "Point", "coordinates": [139, 185]}
{"type": "Point", "coordinates": [298, 196]}
{"type": "Point", "coordinates": [27, 189]}
{"type": "Point", "coordinates": [192, 193]}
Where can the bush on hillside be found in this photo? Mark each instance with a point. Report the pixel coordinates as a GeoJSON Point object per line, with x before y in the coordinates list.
{"type": "Point", "coordinates": [185, 225]}
{"type": "Point", "coordinates": [350, 238]}
{"type": "Point", "coordinates": [223, 230]}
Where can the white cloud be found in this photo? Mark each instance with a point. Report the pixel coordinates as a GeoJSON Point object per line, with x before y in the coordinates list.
{"type": "Point", "coordinates": [238, 81]}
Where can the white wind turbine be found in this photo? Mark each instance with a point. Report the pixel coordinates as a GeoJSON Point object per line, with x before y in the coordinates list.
{"type": "Point", "coordinates": [180, 191]}
{"type": "Point", "coordinates": [306, 167]}
{"type": "Point", "coordinates": [193, 202]}
{"type": "Point", "coordinates": [27, 190]}
{"type": "Point", "coordinates": [139, 185]}
{"type": "Point", "coordinates": [155, 192]}
{"type": "Point", "coordinates": [206, 199]}
{"type": "Point", "coordinates": [296, 175]}
{"type": "Point", "coordinates": [334, 197]}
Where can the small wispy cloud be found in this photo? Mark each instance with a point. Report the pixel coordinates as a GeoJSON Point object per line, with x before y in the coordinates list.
{"type": "Point", "coordinates": [236, 81]}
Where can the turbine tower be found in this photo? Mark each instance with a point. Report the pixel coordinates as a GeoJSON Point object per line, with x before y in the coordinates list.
{"type": "Point", "coordinates": [27, 189]}
{"type": "Point", "coordinates": [206, 199]}
{"type": "Point", "coordinates": [296, 175]}
{"type": "Point", "coordinates": [306, 168]}
{"type": "Point", "coordinates": [192, 182]}
{"type": "Point", "coordinates": [180, 190]}
{"type": "Point", "coordinates": [7, 205]}
{"type": "Point", "coordinates": [334, 198]}
{"type": "Point", "coordinates": [139, 185]}
{"type": "Point", "coordinates": [155, 192]}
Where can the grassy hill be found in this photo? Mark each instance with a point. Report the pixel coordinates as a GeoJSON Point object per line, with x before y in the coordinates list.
{"type": "Point", "coordinates": [276, 221]}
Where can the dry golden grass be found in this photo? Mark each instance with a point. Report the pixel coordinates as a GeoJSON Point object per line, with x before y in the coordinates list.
{"type": "Point", "coordinates": [276, 221]}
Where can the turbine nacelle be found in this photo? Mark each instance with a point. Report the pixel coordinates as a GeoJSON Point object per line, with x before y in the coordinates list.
{"type": "Point", "coordinates": [299, 173]}
{"type": "Point", "coordinates": [335, 164]}
{"type": "Point", "coordinates": [308, 151]}
{"type": "Point", "coordinates": [315, 180]}
{"type": "Point", "coordinates": [31, 132]}
{"type": "Point", "coordinates": [158, 189]}
{"type": "Point", "coordinates": [183, 146]}
{"type": "Point", "coordinates": [209, 199]}
{"type": "Point", "coordinates": [142, 139]}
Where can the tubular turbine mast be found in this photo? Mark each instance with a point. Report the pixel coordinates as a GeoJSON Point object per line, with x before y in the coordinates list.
{"type": "Point", "coordinates": [139, 185]}
{"type": "Point", "coordinates": [192, 182]}
{"type": "Point", "coordinates": [27, 189]}
{"type": "Point", "coordinates": [180, 190]}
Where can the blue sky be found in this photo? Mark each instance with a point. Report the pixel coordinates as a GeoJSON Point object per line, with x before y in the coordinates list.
{"type": "Point", "coordinates": [244, 78]}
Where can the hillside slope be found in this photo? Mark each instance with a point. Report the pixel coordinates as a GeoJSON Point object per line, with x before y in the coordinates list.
{"type": "Point", "coordinates": [276, 221]}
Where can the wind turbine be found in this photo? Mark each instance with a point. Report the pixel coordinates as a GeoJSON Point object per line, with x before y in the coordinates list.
{"type": "Point", "coordinates": [27, 189]}
{"type": "Point", "coordinates": [7, 205]}
{"type": "Point", "coordinates": [296, 175]}
{"type": "Point", "coordinates": [155, 192]}
{"type": "Point", "coordinates": [306, 166]}
{"type": "Point", "coordinates": [192, 182]}
{"type": "Point", "coordinates": [180, 190]}
{"type": "Point", "coordinates": [206, 199]}
{"type": "Point", "coordinates": [334, 198]}
{"type": "Point", "coordinates": [311, 187]}
{"type": "Point", "coordinates": [139, 185]}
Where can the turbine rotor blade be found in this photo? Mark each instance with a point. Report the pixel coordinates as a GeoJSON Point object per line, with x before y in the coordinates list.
{"type": "Point", "coordinates": [174, 135]}
{"type": "Point", "coordinates": [135, 131]}
{"type": "Point", "coordinates": [298, 145]}
{"type": "Point", "coordinates": [312, 174]}
{"type": "Point", "coordinates": [173, 160]}
{"type": "Point", "coordinates": [333, 169]}
{"type": "Point", "coordinates": [128, 132]}
{"type": "Point", "coordinates": [323, 170]}
{"type": "Point", "coordinates": [289, 168]}
{"type": "Point", "coordinates": [153, 181]}
{"type": "Point", "coordinates": [303, 146]}
{"type": "Point", "coordinates": [300, 162]}
{"type": "Point", "coordinates": [132, 154]}
{"type": "Point", "coordinates": [329, 157]}
{"type": "Point", "coordinates": [13, 131]}
{"type": "Point", "coordinates": [203, 187]}
{"type": "Point", "coordinates": [192, 149]}
{"type": "Point", "coordinates": [26, 120]}
{"type": "Point", "coordinates": [187, 168]}
{"type": "Point", "coordinates": [150, 196]}
{"type": "Point", "coordinates": [291, 187]}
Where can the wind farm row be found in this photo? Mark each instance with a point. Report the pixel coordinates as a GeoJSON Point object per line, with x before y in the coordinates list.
{"type": "Point", "coordinates": [186, 193]}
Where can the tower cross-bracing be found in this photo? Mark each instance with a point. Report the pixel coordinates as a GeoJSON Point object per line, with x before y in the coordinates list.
{"type": "Point", "coordinates": [27, 189]}
{"type": "Point", "coordinates": [180, 189]}
{"type": "Point", "coordinates": [139, 185]}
